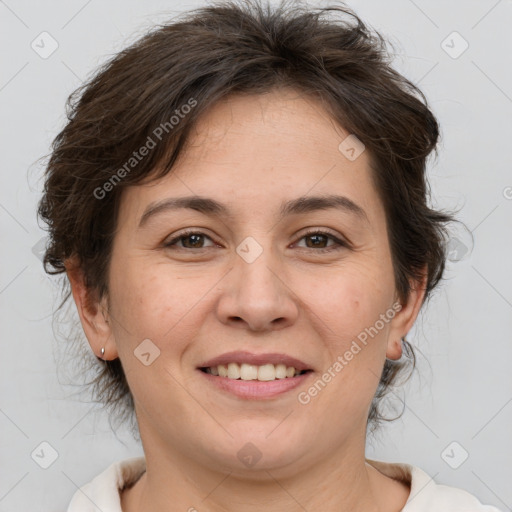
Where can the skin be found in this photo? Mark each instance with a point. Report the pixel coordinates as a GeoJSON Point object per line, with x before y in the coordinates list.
{"type": "Point", "coordinates": [252, 153]}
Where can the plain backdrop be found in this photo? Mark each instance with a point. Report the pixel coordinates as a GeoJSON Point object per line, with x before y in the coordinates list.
{"type": "Point", "coordinates": [458, 407]}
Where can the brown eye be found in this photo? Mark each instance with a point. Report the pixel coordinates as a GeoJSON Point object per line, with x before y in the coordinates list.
{"type": "Point", "coordinates": [320, 239]}
{"type": "Point", "coordinates": [317, 240]}
{"type": "Point", "coordinates": [189, 240]}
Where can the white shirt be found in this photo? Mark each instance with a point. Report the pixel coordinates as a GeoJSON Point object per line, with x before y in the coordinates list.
{"type": "Point", "coordinates": [103, 492]}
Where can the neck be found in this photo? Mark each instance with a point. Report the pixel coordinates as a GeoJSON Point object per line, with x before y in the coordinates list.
{"type": "Point", "coordinates": [343, 481]}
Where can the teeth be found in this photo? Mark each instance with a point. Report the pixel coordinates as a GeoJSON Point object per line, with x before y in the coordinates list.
{"type": "Point", "coordinates": [233, 371]}
{"type": "Point", "coordinates": [246, 371]}
{"type": "Point", "coordinates": [281, 371]}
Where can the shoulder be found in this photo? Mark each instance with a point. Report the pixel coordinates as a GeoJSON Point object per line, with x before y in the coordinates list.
{"type": "Point", "coordinates": [428, 496]}
{"type": "Point", "coordinates": [103, 491]}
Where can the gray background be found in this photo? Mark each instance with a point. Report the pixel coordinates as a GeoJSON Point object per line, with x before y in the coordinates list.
{"type": "Point", "coordinates": [462, 391]}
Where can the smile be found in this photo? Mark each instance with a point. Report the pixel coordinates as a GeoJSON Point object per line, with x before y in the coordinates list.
{"type": "Point", "coordinates": [266, 372]}
{"type": "Point", "coordinates": [253, 389]}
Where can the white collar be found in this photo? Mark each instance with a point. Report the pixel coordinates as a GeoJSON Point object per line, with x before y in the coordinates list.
{"type": "Point", "coordinates": [103, 492]}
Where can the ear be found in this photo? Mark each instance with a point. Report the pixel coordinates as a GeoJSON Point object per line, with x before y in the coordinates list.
{"type": "Point", "coordinates": [93, 313]}
{"type": "Point", "coordinates": [404, 319]}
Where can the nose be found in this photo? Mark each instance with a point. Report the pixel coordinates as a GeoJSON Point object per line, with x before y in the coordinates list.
{"type": "Point", "coordinates": [256, 296]}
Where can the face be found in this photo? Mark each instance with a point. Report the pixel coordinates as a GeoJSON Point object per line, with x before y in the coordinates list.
{"type": "Point", "coordinates": [260, 273]}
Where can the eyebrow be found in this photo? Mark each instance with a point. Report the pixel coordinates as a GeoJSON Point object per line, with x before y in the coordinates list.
{"type": "Point", "coordinates": [208, 206]}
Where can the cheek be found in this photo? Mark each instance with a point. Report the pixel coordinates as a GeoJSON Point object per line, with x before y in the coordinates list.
{"type": "Point", "coordinates": [348, 311]}
{"type": "Point", "coordinates": [149, 302]}
{"type": "Point", "coordinates": [351, 300]}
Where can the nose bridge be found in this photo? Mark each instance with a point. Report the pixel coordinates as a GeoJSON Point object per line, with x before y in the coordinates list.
{"type": "Point", "coordinates": [256, 267]}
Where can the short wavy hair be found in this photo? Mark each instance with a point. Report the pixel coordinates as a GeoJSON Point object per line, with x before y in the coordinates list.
{"type": "Point", "coordinates": [206, 54]}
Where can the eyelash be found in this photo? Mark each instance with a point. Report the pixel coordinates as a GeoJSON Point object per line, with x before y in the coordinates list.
{"type": "Point", "coordinates": [340, 243]}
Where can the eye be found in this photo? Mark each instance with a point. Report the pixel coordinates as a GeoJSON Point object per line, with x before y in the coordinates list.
{"type": "Point", "coordinates": [189, 240]}
{"type": "Point", "coordinates": [318, 239]}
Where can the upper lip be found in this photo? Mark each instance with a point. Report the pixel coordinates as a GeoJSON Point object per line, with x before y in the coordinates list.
{"type": "Point", "coordinates": [241, 357]}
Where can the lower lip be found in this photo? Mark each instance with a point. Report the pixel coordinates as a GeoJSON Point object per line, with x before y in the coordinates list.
{"type": "Point", "coordinates": [256, 389]}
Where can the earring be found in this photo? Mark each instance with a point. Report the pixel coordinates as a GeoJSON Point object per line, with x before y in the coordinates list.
{"type": "Point", "coordinates": [102, 352]}
{"type": "Point", "coordinates": [399, 342]}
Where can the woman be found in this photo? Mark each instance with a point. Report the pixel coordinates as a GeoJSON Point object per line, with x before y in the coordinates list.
{"type": "Point", "coordinates": [239, 201]}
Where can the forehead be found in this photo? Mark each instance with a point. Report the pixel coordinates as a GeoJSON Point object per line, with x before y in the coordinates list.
{"type": "Point", "coordinates": [283, 143]}
{"type": "Point", "coordinates": [285, 124]}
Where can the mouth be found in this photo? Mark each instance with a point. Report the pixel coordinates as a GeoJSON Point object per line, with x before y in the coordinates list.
{"type": "Point", "coordinates": [255, 376]}
{"type": "Point", "coordinates": [247, 372]}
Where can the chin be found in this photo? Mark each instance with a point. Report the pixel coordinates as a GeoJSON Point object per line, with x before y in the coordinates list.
{"type": "Point", "coordinates": [258, 448]}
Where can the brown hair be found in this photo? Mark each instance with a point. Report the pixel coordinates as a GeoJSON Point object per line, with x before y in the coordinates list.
{"type": "Point", "coordinates": [207, 54]}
